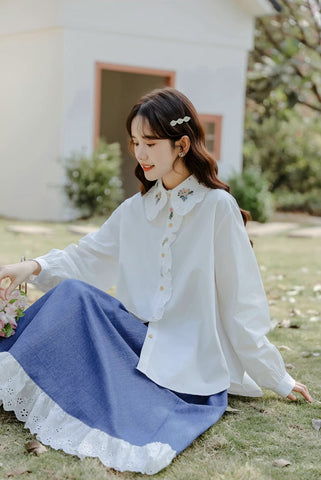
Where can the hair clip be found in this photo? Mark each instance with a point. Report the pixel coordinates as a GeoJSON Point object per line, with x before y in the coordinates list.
{"type": "Point", "coordinates": [180, 121]}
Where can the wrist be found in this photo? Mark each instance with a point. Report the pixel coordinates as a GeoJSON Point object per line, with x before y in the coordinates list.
{"type": "Point", "coordinates": [35, 266]}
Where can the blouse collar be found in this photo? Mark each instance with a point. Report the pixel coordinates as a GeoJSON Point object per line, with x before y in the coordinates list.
{"type": "Point", "coordinates": [183, 197]}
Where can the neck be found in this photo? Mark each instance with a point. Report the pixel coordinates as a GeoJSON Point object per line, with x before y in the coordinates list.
{"type": "Point", "coordinates": [175, 178]}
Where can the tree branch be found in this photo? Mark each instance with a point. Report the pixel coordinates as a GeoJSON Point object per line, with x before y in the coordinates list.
{"type": "Point", "coordinates": [307, 104]}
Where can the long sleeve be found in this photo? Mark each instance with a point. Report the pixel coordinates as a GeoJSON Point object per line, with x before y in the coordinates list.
{"type": "Point", "coordinates": [94, 260]}
{"type": "Point", "coordinates": [242, 301]}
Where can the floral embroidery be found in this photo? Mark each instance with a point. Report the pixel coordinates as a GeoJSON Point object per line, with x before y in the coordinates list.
{"type": "Point", "coordinates": [184, 192]}
{"type": "Point", "coordinates": [171, 214]}
{"type": "Point", "coordinates": [164, 241]}
{"type": "Point", "coordinates": [158, 197]}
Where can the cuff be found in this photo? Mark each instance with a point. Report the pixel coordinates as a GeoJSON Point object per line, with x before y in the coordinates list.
{"type": "Point", "coordinates": [43, 264]}
{"type": "Point", "coordinates": [285, 386]}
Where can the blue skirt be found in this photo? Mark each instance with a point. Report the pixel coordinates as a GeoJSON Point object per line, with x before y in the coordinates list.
{"type": "Point", "coordinates": [69, 373]}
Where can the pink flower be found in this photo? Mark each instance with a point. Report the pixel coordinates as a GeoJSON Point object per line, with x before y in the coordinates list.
{"type": "Point", "coordinates": [10, 312]}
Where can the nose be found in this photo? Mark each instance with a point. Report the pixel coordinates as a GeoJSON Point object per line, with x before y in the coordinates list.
{"type": "Point", "coordinates": [141, 152]}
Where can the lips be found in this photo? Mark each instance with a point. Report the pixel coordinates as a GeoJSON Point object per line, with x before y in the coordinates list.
{"type": "Point", "coordinates": [147, 167]}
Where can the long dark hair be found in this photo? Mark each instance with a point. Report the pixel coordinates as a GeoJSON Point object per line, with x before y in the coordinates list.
{"type": "Point", "coordinates": [159, 108]}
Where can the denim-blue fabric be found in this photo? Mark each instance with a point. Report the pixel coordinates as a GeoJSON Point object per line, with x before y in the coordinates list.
{"type": "Point", "coordinates": [81, 347]}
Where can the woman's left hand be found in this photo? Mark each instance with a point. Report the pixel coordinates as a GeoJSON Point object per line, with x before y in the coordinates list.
{"type": "Point", "coordinates": [302, 389]}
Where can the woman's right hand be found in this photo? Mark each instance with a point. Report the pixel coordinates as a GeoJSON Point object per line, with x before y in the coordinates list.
{"type": "Point", "coordinates": [17, 273]}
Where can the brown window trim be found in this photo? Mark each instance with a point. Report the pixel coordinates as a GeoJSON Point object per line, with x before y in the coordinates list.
{"type": "Point", "coordinates": [216, 120]}
{"type": "Point", "coordinates": [100, 66]}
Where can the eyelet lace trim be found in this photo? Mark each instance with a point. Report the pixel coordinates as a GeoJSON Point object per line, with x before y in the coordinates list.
{"type": "Point", "coordinates": [60, 430]}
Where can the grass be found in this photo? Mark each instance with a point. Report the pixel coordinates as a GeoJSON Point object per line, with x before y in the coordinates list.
{"type": "Point", "coordinates": [242, 445]}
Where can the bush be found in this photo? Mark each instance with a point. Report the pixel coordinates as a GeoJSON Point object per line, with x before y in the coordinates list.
{"type": "Point", "coordinates": [309, 202]}
{"type": "Point", "coordinates": [286, 148]}
{"type": "Point", "coordinates": [93, 183]}
{"type": "Point", "coordinates": [251, 191]}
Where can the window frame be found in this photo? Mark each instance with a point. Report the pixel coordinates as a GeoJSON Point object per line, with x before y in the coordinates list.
{"type": "Point", "coordinates": [217, 121]}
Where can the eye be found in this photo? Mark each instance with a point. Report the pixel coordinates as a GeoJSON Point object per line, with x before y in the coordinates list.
{"type": "Point", "coordinates": [150, 144]}
{"type": "Point", "coordinates": [135, 144]}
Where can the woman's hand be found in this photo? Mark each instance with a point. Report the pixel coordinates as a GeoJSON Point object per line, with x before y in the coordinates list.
{"type": "Point", "coordinates": [17, 273]}
{"type": "Point", "coordinates": [300, 388]}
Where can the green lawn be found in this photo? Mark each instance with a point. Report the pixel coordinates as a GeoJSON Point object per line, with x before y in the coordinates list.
{"type": "Point", "coordinates": [243, 445]}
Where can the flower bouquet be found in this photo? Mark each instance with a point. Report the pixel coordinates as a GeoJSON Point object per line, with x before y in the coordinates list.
{"type": "Point", "coordinates": [10, 312]}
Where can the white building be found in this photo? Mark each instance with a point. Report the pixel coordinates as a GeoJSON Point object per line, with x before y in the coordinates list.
{"type": "Point", "coordinates": [71, 69]}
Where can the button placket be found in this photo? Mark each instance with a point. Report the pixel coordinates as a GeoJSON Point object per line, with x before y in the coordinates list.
{"type": "Point", "coordinates": [173, 223]}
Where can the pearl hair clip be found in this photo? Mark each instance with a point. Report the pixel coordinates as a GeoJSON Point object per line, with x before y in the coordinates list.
{"type": "Point", "coordinates": [180, 121]}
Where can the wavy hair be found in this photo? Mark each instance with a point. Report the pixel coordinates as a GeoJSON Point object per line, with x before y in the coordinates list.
{"type": "Point", "coordinates": [158, 108]}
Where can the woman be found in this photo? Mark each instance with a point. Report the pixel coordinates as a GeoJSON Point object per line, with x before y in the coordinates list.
{"type": "Point", "coordinates": [135, 380]}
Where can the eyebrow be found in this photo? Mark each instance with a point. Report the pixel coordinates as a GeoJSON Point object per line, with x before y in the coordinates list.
{"type": "Point", "coordinates": [147, 137]}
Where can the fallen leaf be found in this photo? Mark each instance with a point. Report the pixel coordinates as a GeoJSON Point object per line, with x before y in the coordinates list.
{"type": "Point", "coordinates": [232, 410]}
{"type": "Point", "coordinates": [289, 366]}
{"type": "Point", "coordinates": [292, 293]}
{"type": "Point", "coordinates": [316, 424]}
{"type": "Point", "coordinates": [313, 312]}
{"type": "Point", "coordinates": [18, 471]}
{"type": "Point", "coordinates": [284, 347]}
{"type": "Point", "coordinates": [295, 312]}
{"type": "Point", "coordinates": [285, 323]}
{"type": "Point", "coordinates": [35, 447]}
{"type": "Point", "coordinates": [310, 354]}
{"type": "Point", "coordinates": [281, 462]}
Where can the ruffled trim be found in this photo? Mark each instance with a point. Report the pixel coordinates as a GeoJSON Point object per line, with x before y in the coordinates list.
{"type": "Point", "coordinates": [54, 427]}
{"type": "Point", "coordinates": [165, 279]}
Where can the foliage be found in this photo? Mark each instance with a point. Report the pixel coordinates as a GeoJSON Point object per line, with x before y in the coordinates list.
{"type": "Point", "coordinates": [94, 185]}
{"type": "Point", "coordinates": [284, 67]}
{"type": "Point", "coordinates": [287, 149]}
{"type": "Point", "coordinates": [309, 202]}
{"type": "Point", "coordinates": [251, 191]}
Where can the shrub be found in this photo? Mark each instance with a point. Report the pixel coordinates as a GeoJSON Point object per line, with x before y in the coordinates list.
{"type": "Point", "coordinates": [309, 202]}
{"type": "Point", "coordinates": [286, 148]}
{"type": "Point", "coordinates": [251, 191]}
{"type": "Point", "coordinates": [93, 183]}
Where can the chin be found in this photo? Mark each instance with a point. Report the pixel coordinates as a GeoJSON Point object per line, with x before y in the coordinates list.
{"type": "Point", "coordinates": [151, 176]}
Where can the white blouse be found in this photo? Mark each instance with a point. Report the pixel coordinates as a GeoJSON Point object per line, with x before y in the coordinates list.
{"type": "Point", "coordinates": [181, 260]}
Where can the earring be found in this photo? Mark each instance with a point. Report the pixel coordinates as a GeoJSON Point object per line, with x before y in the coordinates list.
{"type": "Point", "coordinates": [181, 154]}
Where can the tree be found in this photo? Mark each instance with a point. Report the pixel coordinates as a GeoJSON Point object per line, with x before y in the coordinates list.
{"type": "Point", "coordinates": [285, 65]}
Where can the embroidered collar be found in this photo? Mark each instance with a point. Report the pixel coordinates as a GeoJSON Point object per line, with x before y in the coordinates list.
{"type": "Point", "coordinates": [183, 197]}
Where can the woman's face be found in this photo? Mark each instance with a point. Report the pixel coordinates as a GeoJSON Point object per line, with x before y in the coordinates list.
{"type": "Point", "coordinates": [156, 156]}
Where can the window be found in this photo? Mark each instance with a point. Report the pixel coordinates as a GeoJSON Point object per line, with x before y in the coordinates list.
{"type": "Point", "coordinates": [212, 125]}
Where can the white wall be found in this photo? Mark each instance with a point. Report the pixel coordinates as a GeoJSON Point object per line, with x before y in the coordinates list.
{"type": "Point", "coordinates": [222, 22]}
{"type": "Point", "coordinates": [213, 78]}
{"type": "Point", "coordinates": [47, 86]}
{"type": "Point", "coordinates": [30, 124]}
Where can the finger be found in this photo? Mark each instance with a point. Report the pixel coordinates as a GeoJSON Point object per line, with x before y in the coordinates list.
{"type": "Point", "coordinates": [11, 288]}
{"type": "Point", "coordinates": [2, 293]}
{"type": "Point", "coordinates": [291, 397]}
{"type": "Point", "coordinates": [302, 389]}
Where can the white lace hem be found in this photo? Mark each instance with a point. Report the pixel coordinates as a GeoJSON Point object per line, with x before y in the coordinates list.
{"type": "Point", "coordinates": [60, 430]}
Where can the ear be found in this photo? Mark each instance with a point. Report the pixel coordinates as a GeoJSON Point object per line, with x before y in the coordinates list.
{"type": "Point", "coordinates": [184, 144]}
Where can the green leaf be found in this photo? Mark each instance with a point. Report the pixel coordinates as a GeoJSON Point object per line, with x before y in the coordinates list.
{"type": "Point", "coordinates": [7, 329]}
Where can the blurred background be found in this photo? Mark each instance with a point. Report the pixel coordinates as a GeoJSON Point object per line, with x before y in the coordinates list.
{"type": "Point", "coordinates": [72, 69]}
